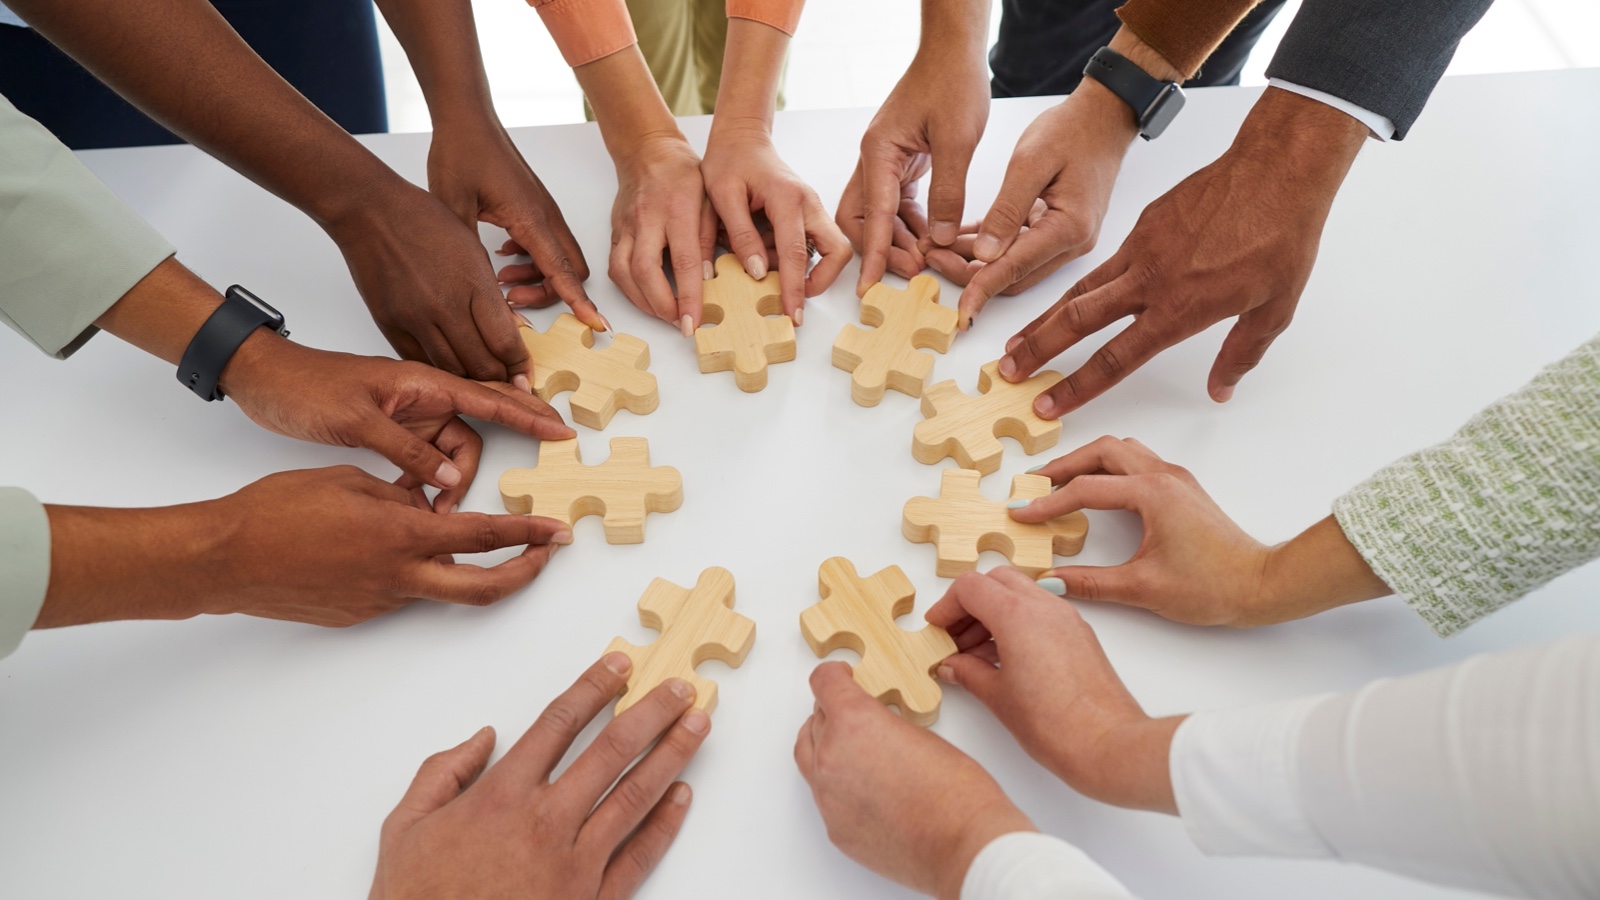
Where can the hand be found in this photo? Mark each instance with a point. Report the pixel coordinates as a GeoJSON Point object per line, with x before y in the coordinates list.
{"type": "Point", "coordinates": [897, 798]}
{"type": "Point", "coordinates": [934, 117]}
{"type": "Point", "coordinates": [744, 175]}
{"type": "Point", "coordinates": [1237, 238]}
{"type": "Point", "coordinates": [1194, 565]}
{"type": "Point", "coordinates": [480, 175]}
{"type": "Point", "coordinates": [404, 411]}
{"type": "Point", "coordinates": [430, 287]}
{"type": "Point", "coordinates": [513, 831]}
{"type": "Point", "coordinates": [661, 206]}
{"type": "Point", "coordinates": [1037, 665]}
{"type": "Point", "coordinates": [1049, 209]}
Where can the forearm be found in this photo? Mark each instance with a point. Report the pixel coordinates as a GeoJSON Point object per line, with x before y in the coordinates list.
{"type": "Point", "coordinates": [1183, 33]}
{"type": "Point", "coordinates": [180, 62]}
{"type": "Point", "coordinates": [114, 564]}
{"type": "Point", "coordinates": [751, 69]}
{"type": "Point", "coordinates": [626, 103]}
{"type": "Point", "coordinates": [958, 28]}
{"type": "Point", "coordinates": [441, 42]}
{"type": "Point", "coordinates": [1305, 144]}
{"type": "Point", "coordinates": [1316, 571]}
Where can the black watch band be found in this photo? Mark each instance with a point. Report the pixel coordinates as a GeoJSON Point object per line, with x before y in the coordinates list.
{"type": "Point", "coordinates": [240, 314]}
{"type": "Point", "coordinates": [1155, 103]}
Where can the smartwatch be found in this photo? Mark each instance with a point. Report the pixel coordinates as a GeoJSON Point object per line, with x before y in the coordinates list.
{"type": "Point", "coordinates": [240, 314]}
{"type": "Point", "coordinates": [1155, 103]}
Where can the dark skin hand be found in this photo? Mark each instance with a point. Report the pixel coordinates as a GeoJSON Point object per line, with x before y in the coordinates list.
{"type": "Point", "coordinates": [1237, 238]}
{"type": "Point", "coordinates": [465, 829]}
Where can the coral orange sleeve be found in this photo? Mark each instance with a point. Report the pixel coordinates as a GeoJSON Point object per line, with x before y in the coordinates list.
{"type": "Point", "coordinates": [783, 15]}
{"type": "Point", "coordinates": [586, 30]}
{"type": "Point", "coordinates": [1184, 32]}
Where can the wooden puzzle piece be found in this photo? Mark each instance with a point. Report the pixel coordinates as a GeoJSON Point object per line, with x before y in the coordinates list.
{"type": "Point", "coordinates": [896, 665]}
{"type": "Point", "coordinates": [695, 625]}
{"type": "Point", "coordinates": [602, 381]}
{"type": "Point", "coordinates": [962, 523]}
{"type": "Point", "coordinates": [621, 490]}
{"type": "Point", "coordinates": [750, 330]}
{"type": "Point", "coordinates": [968, 428]}
{"type": "Point", "coordinates": [890, 355]}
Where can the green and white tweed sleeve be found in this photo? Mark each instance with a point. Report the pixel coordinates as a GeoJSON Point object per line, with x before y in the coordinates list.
{"type": "Point", "coordinates": [1511, 501]}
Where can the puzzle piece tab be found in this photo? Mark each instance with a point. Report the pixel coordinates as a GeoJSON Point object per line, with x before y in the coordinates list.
{"type": "Point", "coordinates": [896, 665]}
{"type": "Point", "coordinates": [968, 428]}
{"type": "Point", "coordinates": [602, 381]}
{"type": "Point", "coordinates": [890, 356]}
{"type": "Point", "coordinates": [962, 523]}
{"type": "Point", "coordinates": [621, 490]}
{"type": "Point", "coordinates": [695, 625]}
{"type": "Point", "coordinates": [750, 328]}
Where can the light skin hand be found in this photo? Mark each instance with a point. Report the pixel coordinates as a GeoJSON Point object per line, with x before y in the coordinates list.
{"type": "Point", "coordinates": [896, 798]}
{"type": "Point", "coordinates": [1238, 238]}
{"type": "Point", "coordinates": [1030, 658]}
{"type": "Point", "coordinates": [744, 175]}
{"type": "Point", "coordinates": [327, 547]}
{"type": "Point", "coordinates": [1194, 565]}
{"type": "Point", "coordinates": [934, 117]}
{"type": "Point", "coordinates": [514, 831]}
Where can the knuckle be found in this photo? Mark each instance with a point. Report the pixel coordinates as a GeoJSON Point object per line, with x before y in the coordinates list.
{"type": "Point", "coordinates": [796, 251]}
{"type": "Point", "coordinates": [1007, 213]}
{"type": "Point", "coordinates": [1108, 364]}
{"type": "Point", "coordinates": [614, 746]}
{"type": "Point", "coordinates": [685, 261]}
{"type": "Point", "coordinates": [558, 717]}
{"type": "Point", "coordinates": [632, 797]}
{"type": "Point", "coordinates": [639, 856]}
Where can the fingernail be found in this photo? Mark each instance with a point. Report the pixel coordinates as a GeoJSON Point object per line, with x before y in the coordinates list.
{"type": "Point", "coordinates": [1034, 469]}
{"type": "Point", "coordinates": [686, 325]}
{"type": "Point", "coordinates": [756, 265]}
{"type": "Point", "coordinates": [1008, 367]}
{"type": "Point", "coordinates": [986, 247]}
{"type": "Point", "coordinates": [947, 674]}
{"type": "Point", "coordinates": [1018, 504]}
{"type": "Point", "coordinates": [800, 316]}
{"type": "Point", "coordinates": [1044, 405]}
{"type": "Point", "coordinates": [561, 537]}
{"type": "Point", "coordinates": [707, 270]}
{"type": "Point", "coordinates": [1053, 585]}
{"type": "Point", "coordinates": [696, 721]}
{"type": "Point", "coordinates": [447, 474]}
{"type": "Point", "coordinates": [1014, 343]}
{"type": "Point", "coordinates": [605, 323]}
{"type": "Point", "coordinates": [681, 794]}
{"type": "Point", "coordinates": [967, 325]}
{"type": "Point", "coordinates": [1224, 394]}
{"type": "Point", "coordinates": [618, 662]}
{"type": "Point", "coordinates": [522, 383]}
{"type": "Point", "coordinates": [680, 688]}
{"type": "Point", "coordinates": [943, 233]}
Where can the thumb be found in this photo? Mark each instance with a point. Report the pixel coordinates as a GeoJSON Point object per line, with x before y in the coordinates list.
{"type": "Point", "coordinates": [441, 778]}
{"type": "Point", "coordinates": [415, 456]}
{"type": "Point", "coordinates": [947, 190]}
{"type": "Point", "coordinates": [1243, 349]}
{"type": "Point", "coordinates": [977, 675]}
{"type": "Point", "coordinates": [1010, 209]}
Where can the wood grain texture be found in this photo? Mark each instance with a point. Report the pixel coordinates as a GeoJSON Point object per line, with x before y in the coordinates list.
{"type": "Point", "coordinates": [621, 490]}
{"type": "Point", "coordinates": [905, 323]}
{"type": "Point", "coordinates": [695, 625]}
{"type": "Point", "coordinates": [858, 613]}
{"type": "Point", "coordinates": [968, 428]}
{"type": "Point", "coordinates": [747, 327]}
{"type": "Point", "coordinates": [602, 381]}
{"type": "Point", "coordinates": [962, 523]}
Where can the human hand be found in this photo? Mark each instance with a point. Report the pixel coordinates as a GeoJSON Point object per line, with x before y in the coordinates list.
{"type": "Point", "coordinates": [744, 175]}
{"type": "Point", "coordinates": [1030, 658]}
{"type": "Point", "coordinates": [406, 412]}
{"type": "Point", "coordinates": [661, 207]}
{"type": "Point", "coordinates": [476, 171]}
{"type": "Point", "coordinates": [513, 831]}
{"type": "Point", "coordinates": [1194, 565]}
{"type": "Point", "coordinates": [430, 287]}
{"type": "Point", "coordinates": [1237, 238]}
{"type": "Point", "coordinates": [896, 798]}
{"type": "Point", "coordinates": [934, 117]}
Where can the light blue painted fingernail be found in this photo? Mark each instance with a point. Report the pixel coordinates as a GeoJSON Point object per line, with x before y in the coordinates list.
{"type": "Point", "coordinates": [1035, 469]}
{"type": "Point", "coordinates": [1018, 504]}
{"type": "Point", "coordinates": [1053, 585]}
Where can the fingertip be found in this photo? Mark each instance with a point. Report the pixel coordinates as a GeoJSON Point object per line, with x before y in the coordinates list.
{"type": "Point", "coordinates": [522, 383]}
{"type": "Point", "coordinates": [1053, 584]}
{"type": "Point", "coordinates": [696, 721]}
{"type": "Point", "coordinates": [1223, 394]}
{"type": "Point", "coordinates": [561, 537]}
{"type": "Point", "coordinates": [947, 674]}
{"type": "Point", "coordinates": [1046, 406]}
{"type": "Point", "coordinates": [944, 233]}
{"type": "Point", "coordinates": [681, 794]}
{"type": "Point", "coordinates": [987, 247]}
{"type": "Point", "coordinates": [447, 475]}
{"type": "Point", "coordinates": [617, 662]}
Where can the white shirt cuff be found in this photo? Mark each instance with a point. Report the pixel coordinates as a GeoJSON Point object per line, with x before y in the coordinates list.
{"type": "Point", "coordinates": [1025, 865]}
{"type": "Point", "coordinates": [1380, 126]}
{"type": "Point", "coordinates": [24, 564]}
{"type": "Point", "coordinates": [1234, 777]}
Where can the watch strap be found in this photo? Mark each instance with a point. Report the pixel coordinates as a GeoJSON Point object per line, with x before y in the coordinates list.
{"type": "Point", "coordinates": [218, 340]}
{"type": "Point", "coordinates": [1145, 94]}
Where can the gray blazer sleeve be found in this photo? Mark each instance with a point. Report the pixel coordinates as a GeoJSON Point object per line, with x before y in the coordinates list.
{"type": "Point", "coordinates": [69, 248]}
{"type": "Point", "coordinates": [24, 564]}
{"type": "Point", "coordinates": [1381, 55]}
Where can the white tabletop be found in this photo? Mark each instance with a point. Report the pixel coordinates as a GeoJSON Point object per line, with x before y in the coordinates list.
{"type": "Point", "coordinates": [247, 758]}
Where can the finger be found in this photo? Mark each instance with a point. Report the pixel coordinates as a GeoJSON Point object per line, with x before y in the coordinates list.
{"type": "Point", "coordinates": [688, 262]}
{"type": "Point", "coordinates": [515, 409]}
{"type": "Point", "coordinates": [557, 255]}
{"type": "Point", "coordinates": [440, 354]}
{"type": "Point", "coordinates": [794, 254]}
{"type": "Point", "coordinates": [1117, 359]}
{"type": "Point", "coordinates": [1103, 454]}
{"type": "Point", "coordinates": [911, 213]}
{"type": "Point", "coordinates": [978, 596]}
{"type": "Point", "coordinates": [472, 532]}
{"type": "Point", "coordinates": [649, 275]}
{"type": "Point", "coordinates": [905, 259]}
{"type": "Point", "coordinates": [732, 204]}
{"type": "Point", "coordinates": [834, 686]}
{"type": "Point", "coordinates": [805, 748]}
{"type": "Point", "coordinates": [620, 270]}
{"type": "Point", "coordinates": [1102, 584]}
{"type": "Point", "coordinates": [978, 675]}
{"type": "Point", "coordinates": [441, 778]}
{"type": "Point", "coordinates": [415, 456]}
{"type": "Point", "coordinates": [463, 446]}
{"type": "Point", "coordinates": [536, 754]}
{"type": "Point", "coordinates": [849, 215]}
{"type": "Point", "coordinates": [1243, 348]}
{"type": "Point", "coordinates": [511, 248]}
{"type": "Point", "coordinates": [497, 327]}
{"type": "Point", "coordinates": [1066, 323]}
{"type": "Point", "coordinates": [530, 296]}
{"type": "Point", "coordinates": [464, 584]}
{"type": "Point", "coordinates": [969, 633]}
{"type": "Point", "coordinates": [953, 266]}
{"type": "Point", "coordinates": [834, 251]}
{"type": "Point", "coordinates": [1022, 258]}
{"type": "Point", "coordinates": [641, 789]}
{"type": "Point", "coordinates": [1128, 492]}
{"type": "Point", "coordinates": [880, 171]}
{"type": "Point", "coordinates": [623, 739]}
{"type": "Point", "coordinates": [1112, 270]}
{"type": "Point", "coordinates": [947, 189]}
{"type": "Point", "coordinates": [519, 273]}
{"type": "Point", "coordinates": [405, 346]}
{"type": "Point", "coordinates": [636, 859]}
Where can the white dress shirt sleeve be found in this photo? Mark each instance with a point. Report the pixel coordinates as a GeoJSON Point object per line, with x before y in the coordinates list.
{"type": "Point", "coordinates": [24, 564]}
{"type": "Point", "coordinates": [1025, 865]}
{"type": "Point", "coordinates": [1380, 126]}
{"type": "Point", "coordinates": [1483, 775]}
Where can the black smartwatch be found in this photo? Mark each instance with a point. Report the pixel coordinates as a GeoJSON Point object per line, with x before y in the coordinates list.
{"type": "Point", "coordinates": [1155, 103]}
{"type": "Point", "coordinates": [240, 314]}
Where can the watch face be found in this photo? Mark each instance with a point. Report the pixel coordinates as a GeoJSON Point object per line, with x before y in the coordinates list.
{"type": "Point", "coordinates": [271, 314]}
{"type": "Point", "coordinates": [1161, 112]}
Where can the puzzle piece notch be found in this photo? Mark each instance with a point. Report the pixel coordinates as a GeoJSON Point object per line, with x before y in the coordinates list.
{"type": "Point", "coordinates": [602, 381]}
{"type": "Point", "coordinates": [961, 523]}
{"type": "Point", "coordinates": [695, 625]}
{"type": "Point", "coordinates": [968, 428]}
{"type": "Point", "coordinates": [621, 490]}
{"type": "Point", "coordinates": [890, 355]}
{"type": "Point", "coordinates": [746, 336]}
{"type": "Point", "coordinates": [858, 613]}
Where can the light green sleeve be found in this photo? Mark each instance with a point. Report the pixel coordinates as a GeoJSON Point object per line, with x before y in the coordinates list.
{"type": "Point", "coordinates": [69, 248]}
{"type": "Point", "coordinates": [1464, 527]}
{"type": "Point", "coordinates": [24, 564]}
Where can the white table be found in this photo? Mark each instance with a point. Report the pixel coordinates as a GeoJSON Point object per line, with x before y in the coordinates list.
{"type": "Point", "coordinates": [247, 758]}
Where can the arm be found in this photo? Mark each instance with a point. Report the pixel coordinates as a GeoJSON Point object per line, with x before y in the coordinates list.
{"type": "Point", "coordinates": [425, 277]}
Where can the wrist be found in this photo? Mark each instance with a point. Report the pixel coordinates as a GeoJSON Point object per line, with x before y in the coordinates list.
{"type": "Point", "coordinates": [1315, 571]}
{"type": "Point", "coordinates": [111, 565]}
{"type": "Point", "coordinates": [1102, 113]}
{"type": "Point", "coordinates": [953, 30]}
{"type": "Point", "coordinates": [263, 354]}
{"type": "Point", "coordinates": [981, 828]}
{"type": "Point", "coordinates": [1144, 56]}
{"type": "Point", "coordinates": [1301, 139]}
{"type": "Point", "coordinates": [1131, 765]}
